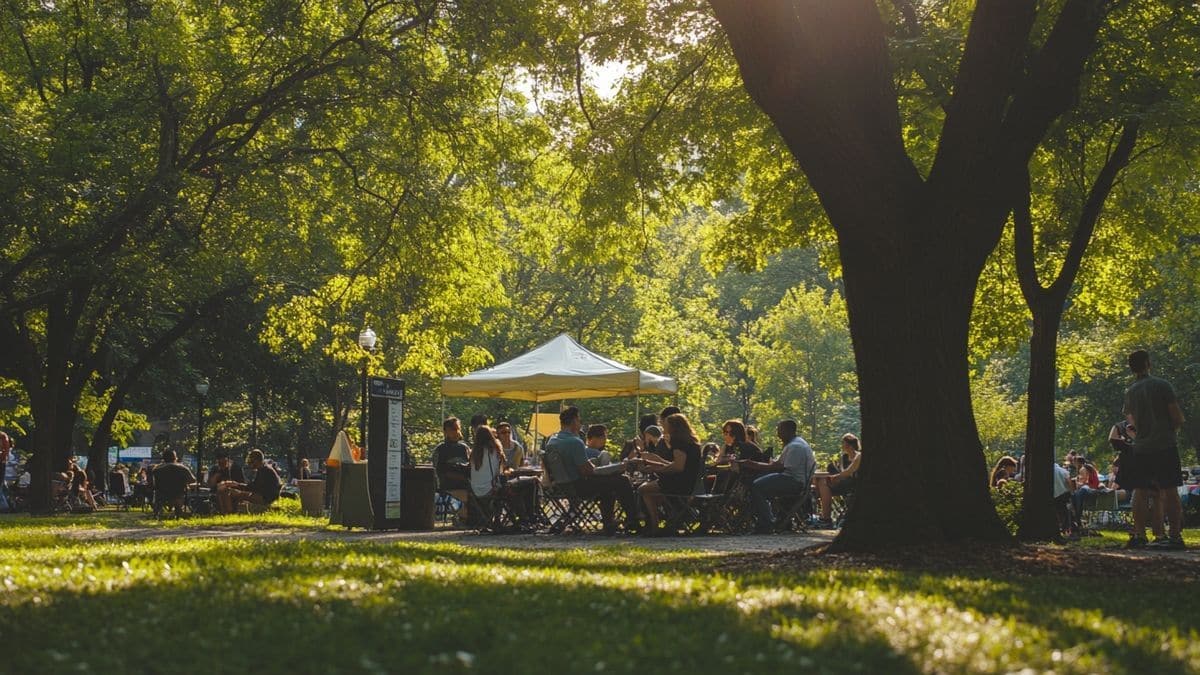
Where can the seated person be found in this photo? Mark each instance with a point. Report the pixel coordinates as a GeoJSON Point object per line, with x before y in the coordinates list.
{"type": "Point", "coordinates": [654, 440]}
{"type": "Point", "coordinates": [1003, 472]}
{"type": "Point", "coordinates": [597, 440]}
{"type": "Point", "coordinates": [171, 481]}
{"type": "Point", "coordinates": [580, 474]}
{"type": "Point", "coordinates": [677, 477]}
{"type": "Point", "coordinates": [1089, 484]}
{"type": "Point", "coordinates": [514, 452]}
{"type": "Point", "coordinates": [263, 490]}
{"type": "Point", "coordinates": [80, 486]}
{"type": "Point", "coordinates": [488, 477]}
{"type": "Point", "coordinates": [450, 460]}
{"type": "Point", "coordinates": [737, 445]}
{"type": "Point", "coordinates": [787, 476]}
{"type": "Point", "coordinates": [1062, 497]}
{"type": "Point", "coordinates": [843, 482]}
{"type": "Point", "coordinates": [1114, 484]}
{"type": "Point", "coordinates": [226, 471]}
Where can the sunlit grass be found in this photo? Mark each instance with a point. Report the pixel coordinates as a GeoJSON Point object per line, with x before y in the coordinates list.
{"type": "Point", "coordinates": [301, 605]}
{"type": "Point", "coordinates": [1115, 539]}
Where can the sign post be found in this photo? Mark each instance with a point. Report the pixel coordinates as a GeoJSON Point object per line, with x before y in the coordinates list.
{"type": "Point", "coordinates": [385, 454]}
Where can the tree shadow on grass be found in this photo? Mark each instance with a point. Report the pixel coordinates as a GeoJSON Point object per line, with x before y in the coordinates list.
{"type": "Point", "coordinates": [295, 610]}
{"type": "Point", "coordinates": [1143, 613]}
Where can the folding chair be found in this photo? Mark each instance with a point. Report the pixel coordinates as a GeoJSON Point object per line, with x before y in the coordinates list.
{"type": "Point", "coordinates": [161, 502]}
{"type": "Point", "coordinates": [60, 497]}
{"type": "Point", "coordinates": [687, 513]}
{"type": "Point", "coordinates": [118, 491]}
{"type": "Point", "coordinates": [492, 514]}
{"type": "Point", "coordinates": [1101, 508]}
{"type": "Point", "coordinates": [445, 505]}
{"type": "Point", "coordinates": [793, 512]}
{"type": "Point", "coordinates": [562, 504]}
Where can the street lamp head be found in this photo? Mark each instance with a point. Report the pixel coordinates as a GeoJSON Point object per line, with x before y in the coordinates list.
{"type": "Point", "coordinates": [366, 339]}
{"type": "Point", "coordinates": [202, 387]}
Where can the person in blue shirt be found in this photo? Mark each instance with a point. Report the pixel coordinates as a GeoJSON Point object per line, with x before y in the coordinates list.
{"type": "Point", "coordinates": [573, 468]}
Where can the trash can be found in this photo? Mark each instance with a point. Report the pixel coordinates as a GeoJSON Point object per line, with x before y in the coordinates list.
{"type": "Point", "coordinates": [312, 497]}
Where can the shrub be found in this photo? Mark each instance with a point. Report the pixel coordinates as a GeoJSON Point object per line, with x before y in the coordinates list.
{"type": "Point", "coordinates": [1008, 498]}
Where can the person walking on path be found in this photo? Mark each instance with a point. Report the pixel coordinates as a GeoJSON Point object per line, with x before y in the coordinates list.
{"type": "Point", "coordinates": [1151, 407]}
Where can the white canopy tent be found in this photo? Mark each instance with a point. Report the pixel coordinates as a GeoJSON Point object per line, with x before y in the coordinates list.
{"type": "Point", "coordinates": [559, 369]}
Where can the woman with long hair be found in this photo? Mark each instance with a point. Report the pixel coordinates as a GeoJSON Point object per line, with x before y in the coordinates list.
{"type": "Point", "coordinates": [1004, 470]}
{"type": "Point", "coordinates": [489, 478]}
{"type": "Point", "coordinates": [677, 477]}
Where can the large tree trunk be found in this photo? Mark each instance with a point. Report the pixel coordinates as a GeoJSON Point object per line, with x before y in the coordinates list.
{"type": "Point", "coordinates": [1038, 522]}
{"type": "Point", "coordinates": [924, 477]}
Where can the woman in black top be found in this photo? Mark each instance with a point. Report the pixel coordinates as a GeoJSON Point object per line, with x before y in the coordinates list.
{"type": "Point", "coordinates": [677, 477]}
{"type": "Point", "coordinates": [737, 445]}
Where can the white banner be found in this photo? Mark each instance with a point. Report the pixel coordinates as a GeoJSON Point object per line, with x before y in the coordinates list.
{"type": "Point", "coordinates": [395, 459]}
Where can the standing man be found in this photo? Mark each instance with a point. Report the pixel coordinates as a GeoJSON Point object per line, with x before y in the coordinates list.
{"type": "Point", "coordinates": [1151, 407]}
{"type": "Point", "coordinates": [787, 476]}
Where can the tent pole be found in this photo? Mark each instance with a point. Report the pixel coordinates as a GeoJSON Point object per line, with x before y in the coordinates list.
{"type": "Point", "coordinates": [442, 402]}
{"type": "Point", "coordinates": [537, 411]}
{"type": "Point", "coordinates": [637, 414]}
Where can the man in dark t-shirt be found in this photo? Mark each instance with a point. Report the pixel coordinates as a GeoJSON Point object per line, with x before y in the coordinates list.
{"type": "Point", "coordinates": [171, 481]}
{"type": "Point", "coordinates": [263, 490]}
{"type": "Point", "coordinates": [1152, 409]}
{"type": "Point", "coordinates": [450, 458]}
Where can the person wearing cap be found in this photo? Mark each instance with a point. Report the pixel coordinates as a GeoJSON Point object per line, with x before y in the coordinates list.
{"type": "Point", "coordinates": [652, 441]}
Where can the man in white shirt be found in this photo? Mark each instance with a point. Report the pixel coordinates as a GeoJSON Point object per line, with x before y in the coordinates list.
{"type": "Point", "coordinates": [1062, 496]}
{"type": "Point", "coordinates": [787, 476]}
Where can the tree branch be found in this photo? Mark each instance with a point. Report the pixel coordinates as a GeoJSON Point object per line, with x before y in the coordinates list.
{"type": "Point", "coordinates": [987, 76]}
{"type": "Point", "coordinates": [1027, 275]}
{"type": "Point", "coordinates": [913, 30]}
{"type": "Point", "coordinates": [1052, 82]}
{"type": "Point", "coordinates": [1092, 208]}
{"type": "Point", "coordinates": [822, 73]}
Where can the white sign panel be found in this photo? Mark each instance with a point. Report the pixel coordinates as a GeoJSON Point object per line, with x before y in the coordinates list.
{"type": "Point", "coordinates": [395, 459]}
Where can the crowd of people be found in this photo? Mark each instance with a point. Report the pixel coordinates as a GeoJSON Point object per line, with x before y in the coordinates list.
{"type": "Point", "coordinates": [1145, 474]}
{"type": "Point", "coordinates": [665, 460]}
{"type": "Point", "coordinates": [164, 485]}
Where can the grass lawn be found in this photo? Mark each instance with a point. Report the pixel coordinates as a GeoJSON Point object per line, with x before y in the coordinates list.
{"type": "Point", "coordinates": [299, 605]}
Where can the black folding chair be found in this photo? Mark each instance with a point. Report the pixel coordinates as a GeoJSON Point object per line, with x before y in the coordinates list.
{"type": "Point", "coordinates": [118, 491]}
{"type": "Point", "coordinates": [561, 503]}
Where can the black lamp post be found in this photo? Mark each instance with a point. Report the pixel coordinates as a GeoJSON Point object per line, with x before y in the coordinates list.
{"type": "Point", "coordinates": [201, 393]}
{"type": "Point", "coordinates": [366, 340]}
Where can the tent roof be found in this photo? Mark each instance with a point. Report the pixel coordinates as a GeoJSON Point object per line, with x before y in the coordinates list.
{"type": "Point", "coordinates": [559, 369]}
